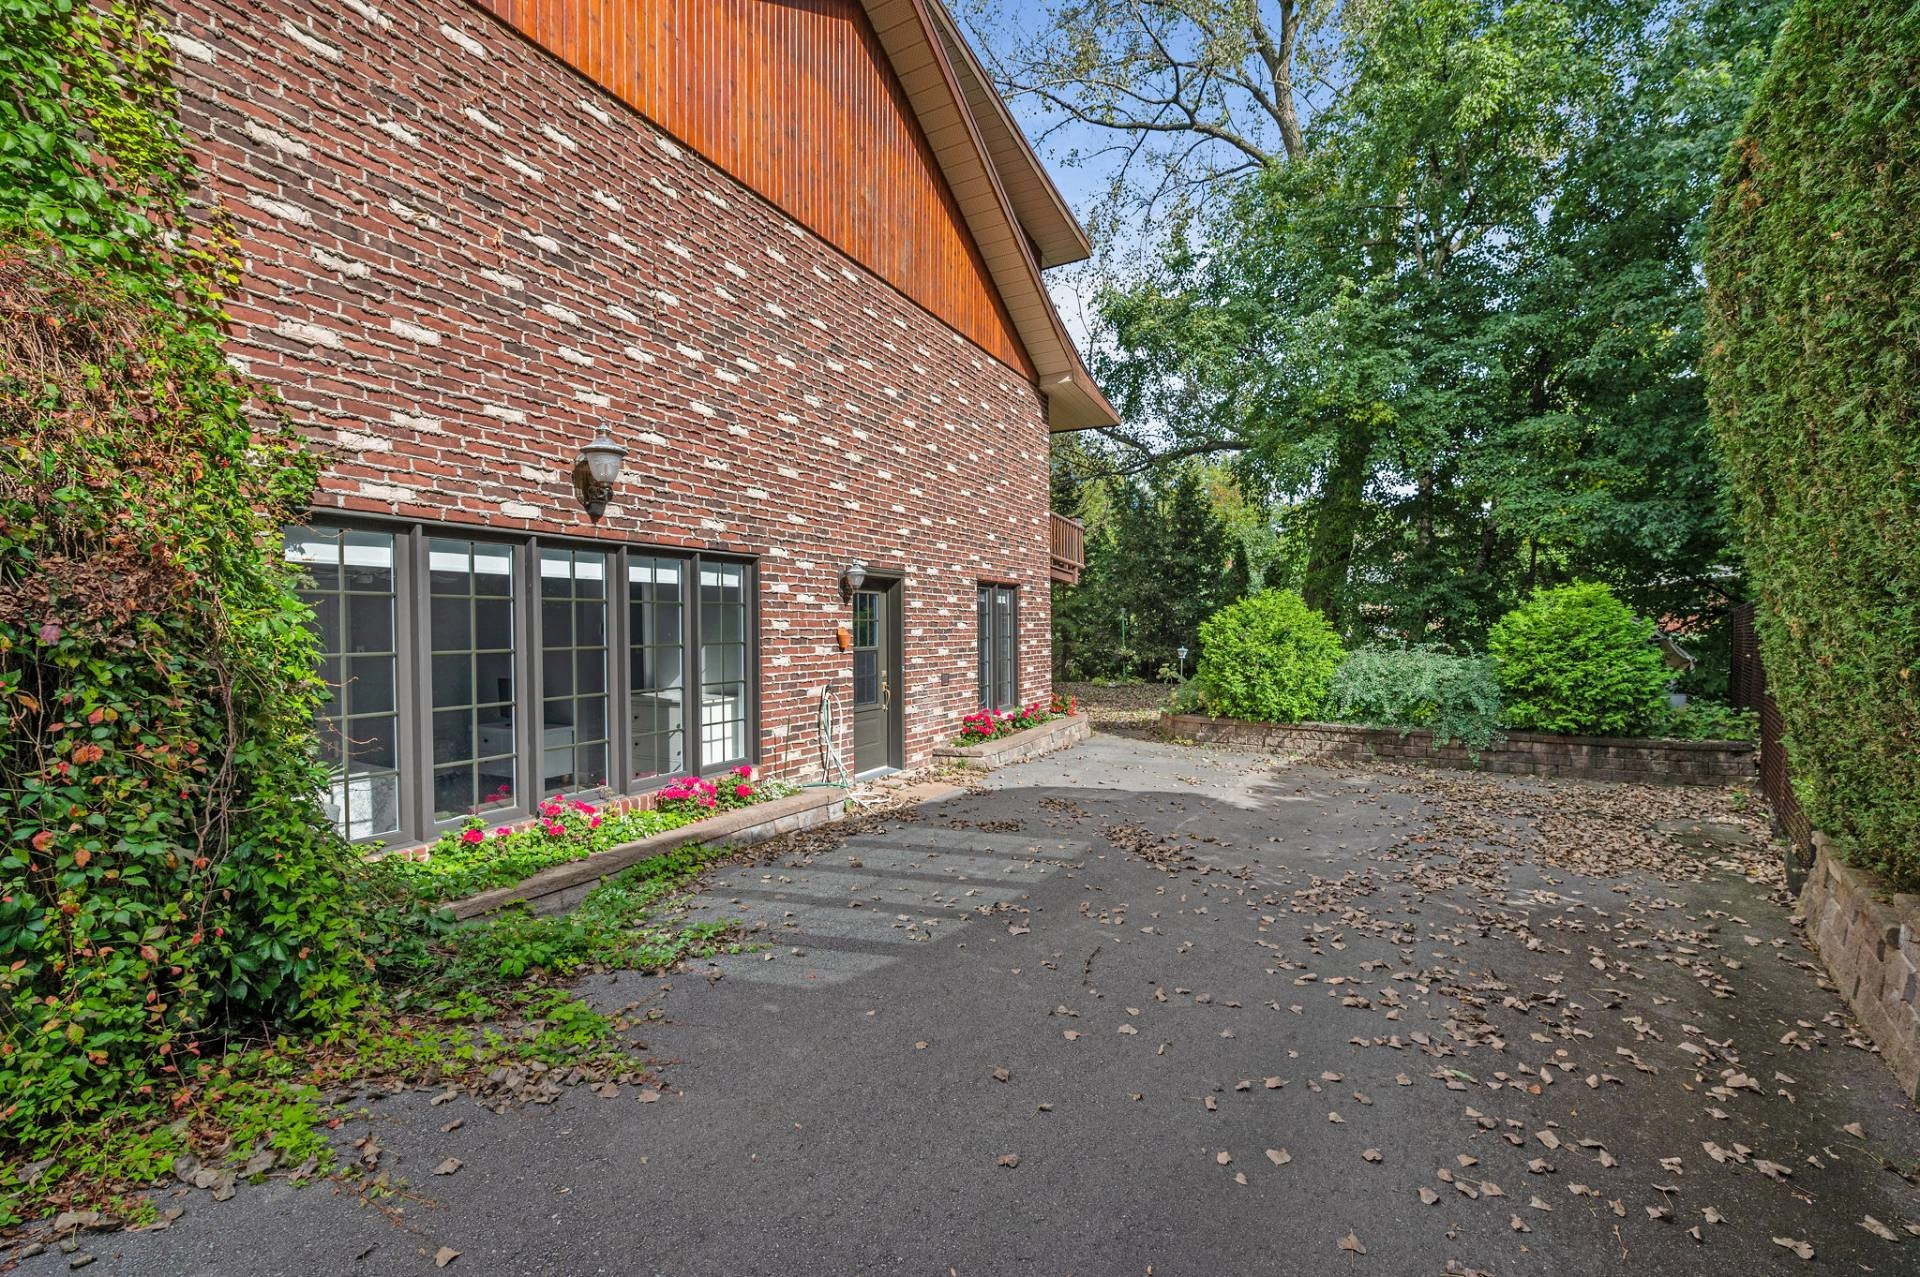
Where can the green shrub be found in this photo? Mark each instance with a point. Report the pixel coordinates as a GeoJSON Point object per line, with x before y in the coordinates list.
{"type": "Point", "coordinates": [1575, 659]}
{"type": "Point", "coordinates": [1266, 659]}
{"type": "Point", "coordinates": [1813, 366]}
{"type": "Point", "coordinates": [1456, 697]}
{"type": "Point", "coordinates": [1705, 720]}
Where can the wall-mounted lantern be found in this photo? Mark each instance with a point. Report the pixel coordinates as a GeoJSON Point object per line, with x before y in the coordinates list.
{"type": "Point", "coordinates": [852, 577]}
{"type": "Point", "coordinates": [595, 472]}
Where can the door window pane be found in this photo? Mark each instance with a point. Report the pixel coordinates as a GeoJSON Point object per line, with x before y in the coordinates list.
{"type": "Point", "coordinates": [866, 648]}
{"type": "Point", "coordinates": [723, 664]}
{"type": "Point", "coordinates": [471, 632]}
{"type": "Point", "coordinates": [656, 663]}
{"type": "Point", "coordinates": [998, 665]}
{"type": "Point", "coordinates": [350, 589]}
{"type": "Point", "coordinates": [573, 723]}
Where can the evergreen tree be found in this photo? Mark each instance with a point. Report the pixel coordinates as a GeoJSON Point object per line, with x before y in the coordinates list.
{"type": "Point", "coordinates": [1161, 562]}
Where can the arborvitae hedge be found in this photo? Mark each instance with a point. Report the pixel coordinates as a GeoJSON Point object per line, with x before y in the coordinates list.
{"type": "Point", "coordinates": [1813, 262]}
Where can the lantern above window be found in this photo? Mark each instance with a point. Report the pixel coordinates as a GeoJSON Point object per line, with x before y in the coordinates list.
{"type": "Point", "coordinates": [595, 472]}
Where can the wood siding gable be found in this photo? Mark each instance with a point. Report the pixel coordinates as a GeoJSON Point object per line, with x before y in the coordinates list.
{"type": "Point", "coordinates": [796, 100]}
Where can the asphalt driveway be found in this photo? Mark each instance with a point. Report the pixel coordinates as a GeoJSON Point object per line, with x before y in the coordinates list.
{"type": "Point", "coordinates": [1138, 1008]}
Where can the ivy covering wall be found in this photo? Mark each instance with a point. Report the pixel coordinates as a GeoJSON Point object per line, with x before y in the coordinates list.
{"type": "Point", "coordinates": [167, 881]}
{"type": "Point", "coordinates": [1814, 374]}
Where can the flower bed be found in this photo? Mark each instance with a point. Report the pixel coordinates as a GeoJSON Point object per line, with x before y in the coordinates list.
{"type": "Point", "coordinates": [989, 724]}
{"type": "Point", "coordinates": [478, 856]}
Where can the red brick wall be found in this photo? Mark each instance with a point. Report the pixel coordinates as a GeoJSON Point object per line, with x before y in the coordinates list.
{"type": "Point", "coordinates": [463, 258]}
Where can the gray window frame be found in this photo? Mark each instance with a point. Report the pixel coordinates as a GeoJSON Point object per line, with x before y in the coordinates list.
{"type": "Point", "coordinates": [987, 665]}
{"type": "Point", "coordinates": [414, 665]}
{"type": "Point", "coordinates": [403, 639]}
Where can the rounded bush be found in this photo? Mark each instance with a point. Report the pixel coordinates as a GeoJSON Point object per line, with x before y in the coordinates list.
{"type": "Point", "coordinates": [1267, 659]}
{"type": "Point", "coordinates": [1576, 660]}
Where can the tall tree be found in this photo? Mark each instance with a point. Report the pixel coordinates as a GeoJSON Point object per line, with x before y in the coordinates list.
{"type": "Point", "coordinates": [1160, 562]}
{"type": "Point", "coordinates": [1180, 95]}
{"type": "Point", "coordinates": [1463, 328]}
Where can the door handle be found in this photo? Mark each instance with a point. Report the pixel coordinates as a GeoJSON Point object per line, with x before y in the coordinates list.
{"type": "Point", "coordinates": [886, 693]}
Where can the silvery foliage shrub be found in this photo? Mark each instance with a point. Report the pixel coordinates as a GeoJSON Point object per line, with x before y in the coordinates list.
{"type": "Point", "coordinates": [1455, 696]}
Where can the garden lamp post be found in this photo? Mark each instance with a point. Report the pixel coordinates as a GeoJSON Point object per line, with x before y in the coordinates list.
{"type": "Point", "coordinates": [1183, 663]}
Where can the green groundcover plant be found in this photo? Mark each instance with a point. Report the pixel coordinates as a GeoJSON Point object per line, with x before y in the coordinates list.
{"type": "Point", "coordinates": [1576, 660]}
{"type": "Point", "coordinates": [1813, 367]}
{"type": "Point", "coordinates": [1268, 658]}
{"type": "Point", "coordinates": [1455, 696]}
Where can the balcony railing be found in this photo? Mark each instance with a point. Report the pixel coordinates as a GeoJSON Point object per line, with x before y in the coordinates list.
{"type": "Point", "coordinates": [1069, 543]}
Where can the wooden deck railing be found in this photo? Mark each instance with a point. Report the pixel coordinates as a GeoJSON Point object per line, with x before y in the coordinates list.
{"type": "Point", "coordinates": [1069, 544]}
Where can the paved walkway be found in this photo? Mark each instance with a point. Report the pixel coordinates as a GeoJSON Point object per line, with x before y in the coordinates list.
{"type": "Point", "coordinates": [1144, 1009]}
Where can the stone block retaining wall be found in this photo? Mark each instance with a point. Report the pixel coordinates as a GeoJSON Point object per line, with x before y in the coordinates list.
{"type": "Point", "coordinates": [1869, 939]}
{"type": "Point", "coordinates": [1658, 762]}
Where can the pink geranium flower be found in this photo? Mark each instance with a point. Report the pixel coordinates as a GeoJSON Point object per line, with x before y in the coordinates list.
{"type": "Point", "coordinates": [743, 791]}
{"type": "Point", "coordinates": [473, 836]}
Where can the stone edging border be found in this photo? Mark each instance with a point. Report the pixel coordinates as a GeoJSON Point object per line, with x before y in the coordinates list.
{"type": "Point", "coordinates": [1020, 746]}
{"type": "Point", "coordinates": [1869, 939]}
{"type": "Point", "coordinates": [1622, 759]}
{"type": "Point", "coordinates": [561, 886]}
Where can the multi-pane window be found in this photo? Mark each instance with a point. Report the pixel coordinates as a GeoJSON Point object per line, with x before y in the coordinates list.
{"type": "Point", "coordinates": [656, 664]}
{"type": "Point", "coordinates": [471, 634]}
{"type": "Point", "coordinates": [866, 648]}
{"type": "Point", "coordinates": [573, 670]}
{"type": "Point", "coordinates": [477, 675]}
{"type": "Point", "coordinates": [351, 591]}
{"type": "Point", "coordinates": [723, 663]}
{"type": "Point", "coordinates": [999, 653]}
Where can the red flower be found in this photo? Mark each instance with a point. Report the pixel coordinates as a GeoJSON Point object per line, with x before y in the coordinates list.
{"type": "Point", "coordinates": [743, 791]}
{"type": "Point", "coordinates": [473, 837]}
